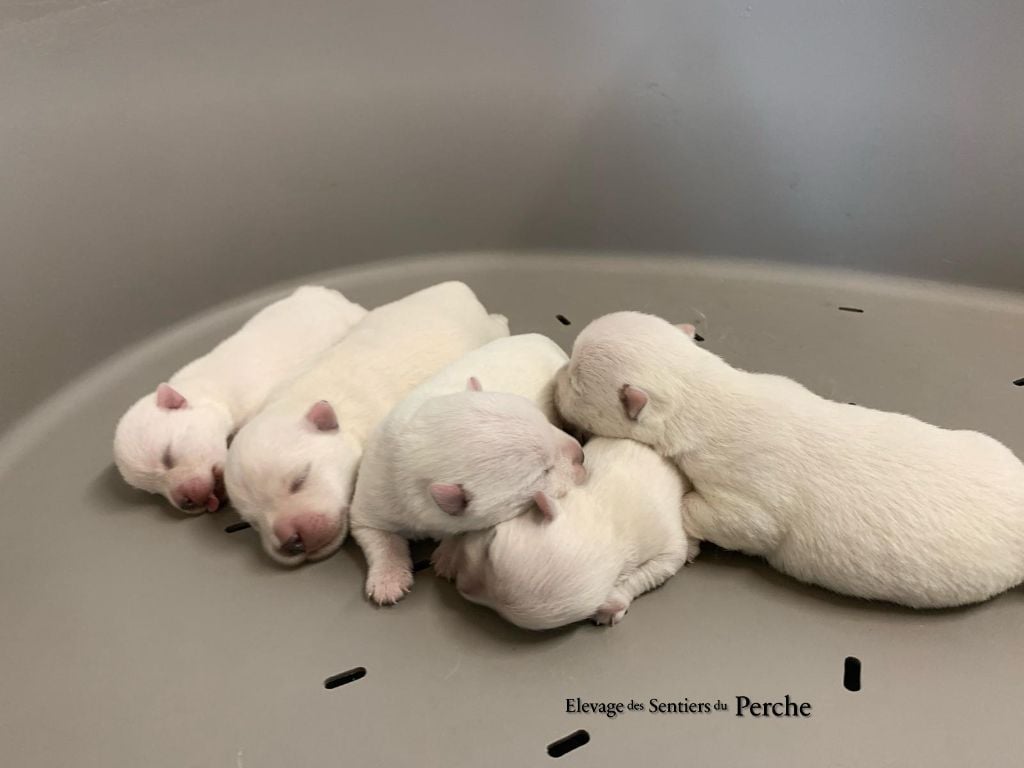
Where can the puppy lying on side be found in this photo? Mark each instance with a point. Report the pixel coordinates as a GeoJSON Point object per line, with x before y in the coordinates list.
{"type": "Point", "coordinates": [291, 469]}
{"type": "Point", "coordinates": [587, 555]}
{"type": "Point", "coordinates": [448, 460]}
{"type": "Point", "coordinates": [174, 441]}
{"type": "Point", "coordinates": [868, 503]}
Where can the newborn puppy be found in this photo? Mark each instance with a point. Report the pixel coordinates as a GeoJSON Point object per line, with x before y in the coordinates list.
{"type": "Point", "coordinates": [587, 555]}
{"type": "Point", "coordinates": [174, 441]}
{"type": "Point", "coordinates": [872, 504]}
{"type": "Point", "coordinates": [291, 469]}
{"type": "Point", "coordinates": [448, 459]}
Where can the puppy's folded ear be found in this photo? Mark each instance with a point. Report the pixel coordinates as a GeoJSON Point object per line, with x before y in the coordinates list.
{"type": "Point", "coordinates": [633, 400]}
{"type": "Point", "coordinates": [473, 384]}
{"type": "Point", "coordinates": [451, 498]}
{"type": "Point", "coordinates": [168, 398]}
{"type": "Point", "coordinates": [548, 507]}
{"type": "Point", "coordinates": [322, 416]}
{"type": "Point", "coordinates": [688, 328]}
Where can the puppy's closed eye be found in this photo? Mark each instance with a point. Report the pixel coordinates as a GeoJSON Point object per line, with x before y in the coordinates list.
{"type": "Point", "coordinates": [167, 459]}
{"type": "Point", "coordinates": [300, 480]}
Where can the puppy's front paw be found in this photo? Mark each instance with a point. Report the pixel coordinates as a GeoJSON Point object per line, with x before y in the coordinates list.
{"type": "Point", "coordinates": [692, 550]}
{"type": "Point", "coordinates": [443, 559]}
{"type": "Point", "coordinates": [388, 586]}
{"type": "Point", "coordinates": [612, 611]}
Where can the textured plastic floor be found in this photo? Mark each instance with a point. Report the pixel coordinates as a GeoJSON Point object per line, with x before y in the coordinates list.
{"type": "Point", "coordinates": [134, 637]}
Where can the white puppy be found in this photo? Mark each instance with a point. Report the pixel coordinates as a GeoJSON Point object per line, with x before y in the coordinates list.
{"type": "Point", "coordinates": [587, 555]}
{"type": "Point", "coordinates": [174, 441]}
{"type": "Point", "coordinates": [872, 504]}
{"type": "Point", "coordinates": [448, 459]}
{"type": "Point", "coordinates": [291, 469]}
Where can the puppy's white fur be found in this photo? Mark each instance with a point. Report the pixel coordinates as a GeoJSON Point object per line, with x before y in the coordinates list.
{"type": "Point", "coordinates": [298, 459]}
{"type": "Point", "coordinates": [448, 459]}
{"type": "Point", "coordinates": [164, 449]}
{"type": "Point", "coordinates": [608, 541]}
{"type": "Point", "coordinates": [868, 503]}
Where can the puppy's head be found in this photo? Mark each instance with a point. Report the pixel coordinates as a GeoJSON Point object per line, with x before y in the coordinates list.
{"type": "Point", "coordinates": [291, 477]}
{"type": "Point", "coordinates": [615, 383]}
{"type": "Point", "coordinates": [483, 457]}
{"type": "Point", "coordinates": [169, 445]}
{"type": "Point", "coordinates": [538, 571]}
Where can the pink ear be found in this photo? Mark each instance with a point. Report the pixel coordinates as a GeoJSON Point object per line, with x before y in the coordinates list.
{"type": "Point", "coordinates": [322, 416]}
{"type": "Point", "coordinates": [168, 398]}
{"type": "Point", "coordinates": [688, 328]}
{"type": "Point", "coordinates": [473, 385]}
{"type": "Point", "coordinates": [633, 400]}
{"type": "Point", "coordinates": [546, 505]}
{"type": "Point", "coordinates": [449, 497]}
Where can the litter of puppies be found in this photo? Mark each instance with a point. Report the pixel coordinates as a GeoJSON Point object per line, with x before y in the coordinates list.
{"type": "Point", "coordinates": [424, 418]}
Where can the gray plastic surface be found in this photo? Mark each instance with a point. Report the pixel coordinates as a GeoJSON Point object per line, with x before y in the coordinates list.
{"type": "Point", "coordinates": [131, 637]}
{"type": "Point", "coordinates": [158, 156]}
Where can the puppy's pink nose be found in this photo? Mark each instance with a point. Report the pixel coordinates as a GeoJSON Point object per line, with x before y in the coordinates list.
{"type": "Point", "coordinates": [305, 532]}
{"type": "Point", "coordinates": [574, 451]}
{"type": "Point", "coordinates": [197, 493]}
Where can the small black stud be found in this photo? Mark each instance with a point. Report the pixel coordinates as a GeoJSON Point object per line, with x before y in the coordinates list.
{"type": "Point", "coordinates": [698, 337]}
{"type": "Point", "coordinates": [565, 745]}
{"type": "Point", "coordinates": [851, 309]}
{"type": "Point", "coordinates": [344, 678]}
{"type": "Point", "coordinates": [1019, 383]}
{"type": "Point", "coordinates": [851, 674]}
{"type": "Point", "coordinates": [563, 319]}
{"type": "Point", "coordinates": [241, 525]}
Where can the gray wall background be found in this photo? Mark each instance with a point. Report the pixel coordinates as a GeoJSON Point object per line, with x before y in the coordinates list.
{"type": "Point", "coordinates": [158, 156]}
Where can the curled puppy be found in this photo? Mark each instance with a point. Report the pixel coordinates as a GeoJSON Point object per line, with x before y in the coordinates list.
{"type": "Point", "coordinates": [174, 441]}
{"type": "Point", "coordinates": [290, 471]}
{"type": "Point", "coordinates": [868, 503]}
{"type": "Point", "coordinates": [587, 555]}
{"type": "Point", "coordinates": [448, 459]}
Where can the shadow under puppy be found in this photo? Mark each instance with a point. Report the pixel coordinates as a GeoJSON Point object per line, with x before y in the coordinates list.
{"type": "Point", "coordinates": [867, 503]}
{"type": "Point", "coordinates": [174, 441]}
{"type": "Point", "coordinates": [587, 555]}
{"type": "Point", "coordinates": [449, 459]}
{"type": "Point", "coordinates": [291, 470]}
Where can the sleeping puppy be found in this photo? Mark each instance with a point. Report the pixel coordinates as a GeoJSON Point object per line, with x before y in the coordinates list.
{"type": "Point", "coordinates": [450, 459]}
{"type": "Point", "coordinates": [587, 555]}
{"type": "Point", "coordinates": [174, 441]}
{"type": "Point", "coordinates": [872, 504]}
{"type": "Point", "coordinates": [291, 470]}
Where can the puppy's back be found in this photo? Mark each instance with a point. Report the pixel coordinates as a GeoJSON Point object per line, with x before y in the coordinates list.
{"type": "Point", "coordinates": [523, 365]}
{"type": "Point", "coordinates": [640, 491]}
{"type": "Point", "coordinates": [393, 349]}
{"type": "Point", "coordinates": [547, 574]}
{"type": "Point", "coordinates": [273, 347]}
